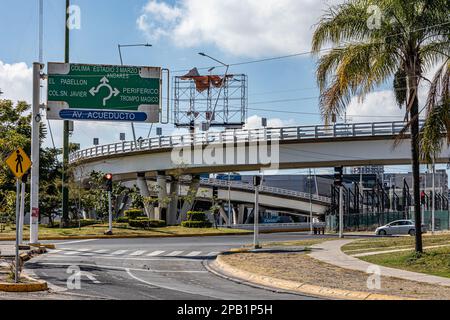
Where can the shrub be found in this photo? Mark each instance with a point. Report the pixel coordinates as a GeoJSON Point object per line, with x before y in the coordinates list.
{"type": "Point", "coordinates": [75, 223]}
{"type": "Point", "coordinates": [134, 213]}
{"type": "Point", "coordinates": [122, 220]}
{"type": "Point", "coordinates": [196, 224]}
{"type": "Point", "coordinates": [146, 223]}
{"type": "Point", "coordinates": [196, 216]}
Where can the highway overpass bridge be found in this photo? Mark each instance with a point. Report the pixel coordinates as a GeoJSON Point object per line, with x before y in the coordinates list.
{"type": "Point", "coordinates": [242, 196]}
{"type": "Point", "coordinates": [355, 144]}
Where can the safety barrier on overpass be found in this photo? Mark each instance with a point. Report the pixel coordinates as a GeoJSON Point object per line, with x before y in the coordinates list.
{"type": "Point", "coordinates": [317, 132]}
{"type": "Point", "coordinates": [276, 191]}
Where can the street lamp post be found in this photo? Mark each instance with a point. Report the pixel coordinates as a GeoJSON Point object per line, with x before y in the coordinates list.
{"type": "Point", "coordinates": [120, 46]}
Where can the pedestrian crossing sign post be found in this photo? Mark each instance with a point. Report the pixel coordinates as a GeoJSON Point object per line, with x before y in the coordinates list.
{"type": "Point", "coordinates": [19, 163]}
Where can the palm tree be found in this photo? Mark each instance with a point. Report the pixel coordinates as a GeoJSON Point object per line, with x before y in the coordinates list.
{"type": "Point", "coordinates": [374, 42]}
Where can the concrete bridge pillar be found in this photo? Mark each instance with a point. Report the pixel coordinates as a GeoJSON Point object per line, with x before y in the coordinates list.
{"type": "Point", "coordinates": [190, 198]}
{"type": "Point", "coordinates": [223, 216]}
{"type": "Point", "coordinates": [234, 212]}
{"type": "Point", "coordinates": [241, 213]}
{"type": "Point", "coordinates": [143, 189]}
{"type": "Point", "coordinates": [161, 212]}
{"type": "Point", "coordinates": [172, 211]}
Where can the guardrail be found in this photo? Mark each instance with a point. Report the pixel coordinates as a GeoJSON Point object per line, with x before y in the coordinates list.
{"type": "Point", "coordinates": [273, 190]}
{"type": "Point", "coordinates": [241, 135]}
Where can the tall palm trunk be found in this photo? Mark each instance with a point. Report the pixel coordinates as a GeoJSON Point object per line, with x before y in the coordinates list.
{"type": "Point", "coordinates": [414, 117]}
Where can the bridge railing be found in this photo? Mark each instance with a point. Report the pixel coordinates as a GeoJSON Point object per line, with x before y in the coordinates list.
{"type": "Point", "coordinates": [244, 135]}
{"type": "Point", "coordinates": [273, 190]}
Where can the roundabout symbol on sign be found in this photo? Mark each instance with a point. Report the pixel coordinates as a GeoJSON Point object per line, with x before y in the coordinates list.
{"type": "Point", "coordinates": [104, 83]}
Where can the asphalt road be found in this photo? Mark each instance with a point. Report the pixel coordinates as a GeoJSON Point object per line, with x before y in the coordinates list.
{"type": "Point", "coordinates": [150, 269]}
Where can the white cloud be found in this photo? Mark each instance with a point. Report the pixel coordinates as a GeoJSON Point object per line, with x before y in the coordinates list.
{"type": "Point", "coordinates": [244, 28]}
{"type": "Point", "coordinates": [16, 81]}
{"type": "Point", "coordinates": [378, 106]}
{"type": "Point", "coordinates": [254, 122]}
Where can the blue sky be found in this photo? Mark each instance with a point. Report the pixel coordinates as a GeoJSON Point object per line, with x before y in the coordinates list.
{"type": "Point", "coordinates": [178, 31]}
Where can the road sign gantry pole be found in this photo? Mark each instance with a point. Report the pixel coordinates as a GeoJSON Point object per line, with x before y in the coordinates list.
{"type": "Point", "coordinates": [65, 190]}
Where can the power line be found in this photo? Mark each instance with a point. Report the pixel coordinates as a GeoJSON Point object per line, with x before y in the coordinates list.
{"type": "Point", "coordinates": [304, 53]}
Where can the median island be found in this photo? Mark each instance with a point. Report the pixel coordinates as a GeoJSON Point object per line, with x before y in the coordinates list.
{"type": "Point", "coordinates": [298, 271]}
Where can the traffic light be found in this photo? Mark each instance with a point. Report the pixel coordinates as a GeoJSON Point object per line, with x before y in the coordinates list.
{"type": "Point", "coordinates": [215, 192]}
{"type": "Point", "coordinates": [108, 182]}
{"type": "Point", "coordinates": [422, 198]}
{"type": "Point", "coordinates": [338, 173]}
{"type": "Point", "coordinates": [256, 181]}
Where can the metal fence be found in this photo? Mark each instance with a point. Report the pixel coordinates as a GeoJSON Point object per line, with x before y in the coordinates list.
{"type": "Point", "coordinates": [369, 221]}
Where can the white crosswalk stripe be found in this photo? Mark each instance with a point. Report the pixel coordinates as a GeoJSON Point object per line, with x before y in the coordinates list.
{"type": "Point", "coordinates": [101, 251]}
{"type": "Point", "coordinates": [155, 253]}
{"type": "Point", "coordinates": [54, 251]}
{"type": "Point", "coordinates": [212, 254]}
{"type": "Point", "coordinates": [174, 253]}
{"type": "Point", "coordinates": [115, 253]}
{"type": "Point", "coordinates": [193, 253]}
{"type": "Point", "coordinates": [137, 253]}
{"type": "Point", "coordinates": [77, 251]}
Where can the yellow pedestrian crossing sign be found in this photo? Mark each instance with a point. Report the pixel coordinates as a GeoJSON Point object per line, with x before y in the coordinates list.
{"type": "Point", "coordinates": [19, 163]}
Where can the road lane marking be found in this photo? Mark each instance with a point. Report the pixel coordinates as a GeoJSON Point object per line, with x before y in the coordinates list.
{"type": "Point", "coordinates": [193, 253]}
{"type": "Point", "coordinates": [212, 254]}
{"type": "Point", "coordinates": [162, 286]}
{"type": "Point", "coordinates": [137, 253]}
{"type": "Point", "coordinates": [155, 253]}
{"type": "Point", "coordinates": [115, 253]}
{"type": "Point", "coordinates": [174, 253]}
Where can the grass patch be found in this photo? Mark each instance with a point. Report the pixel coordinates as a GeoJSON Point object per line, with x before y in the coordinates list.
{"type": "Point", "coordinates": [367, 245]}
{"type": "Point", "coordinates": [293, 243]}
{"type": "Point", "coordinates": [119, 229]}
{"type": "Point", "coordinates": [432, 261]}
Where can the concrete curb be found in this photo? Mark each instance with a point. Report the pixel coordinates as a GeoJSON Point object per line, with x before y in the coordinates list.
{"type": "Point", "coordinates": [34, 286]}
{"type": "Point", "coordinates": [222, 267]}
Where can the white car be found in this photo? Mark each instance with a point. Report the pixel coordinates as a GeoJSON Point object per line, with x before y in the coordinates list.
{"type": "Point", "coordinates": [398, 227]}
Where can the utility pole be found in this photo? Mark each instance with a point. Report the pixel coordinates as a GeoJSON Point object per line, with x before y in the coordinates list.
{"type": "Point", "coordinates": [256, 183]}
{"type": "Point", "coordinates": [433, 198]}
{"type": "Point", "coordinates": [35, 125]}
{"type": "Point", "coordinates": [341, 211]}
{"type": "Point", "coordinates": [310, 203]}
{"type": "Point", "coordinates": [65, 189]}
{"type": "Point", "coordinates": [338, 181]}
{"type": "Point", "coordinates": [229, 200]}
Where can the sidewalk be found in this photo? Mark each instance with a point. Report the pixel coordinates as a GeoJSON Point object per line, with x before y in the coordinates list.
{"type": "Point", "coordinates": [372, 253]}
{"type": "Point", "coordinates": [330, 252]}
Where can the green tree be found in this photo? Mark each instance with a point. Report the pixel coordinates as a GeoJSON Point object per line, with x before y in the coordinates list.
{"type": "Point", "coordinates": [15, 131]}
{"type": "Point", "coordinates": [377, 41]}
{"type": "Point", "coordinates": [438, 111]}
